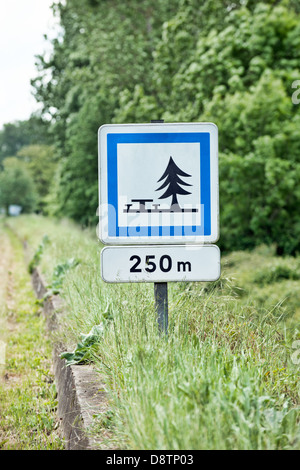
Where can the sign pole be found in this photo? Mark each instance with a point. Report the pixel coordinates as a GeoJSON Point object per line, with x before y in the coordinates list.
{"type": "Point", "coordinates": [161, 293]}
{"type": "Point", "coordinates": [161, 305]}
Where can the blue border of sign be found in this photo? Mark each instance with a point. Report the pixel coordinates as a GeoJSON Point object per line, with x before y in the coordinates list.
{"type": "Point", "coordinates": [112, 183]}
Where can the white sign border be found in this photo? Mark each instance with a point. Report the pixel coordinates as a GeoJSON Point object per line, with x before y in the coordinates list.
{"type": "Point", "coordinates": [197, 127]}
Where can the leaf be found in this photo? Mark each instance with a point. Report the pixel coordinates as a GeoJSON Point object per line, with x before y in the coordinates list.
{"type": "Point", "coordinates": [82, 352]}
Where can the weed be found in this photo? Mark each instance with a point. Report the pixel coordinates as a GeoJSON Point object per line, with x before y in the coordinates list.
{"type": "Point", "coordinates": [38, 254]}
{"type": "Point", "coordinates": [105, 419]}
{"type": "Point", "coordinates": [83, 351]}
{"type": "Point", "coordinates": [59, 275]}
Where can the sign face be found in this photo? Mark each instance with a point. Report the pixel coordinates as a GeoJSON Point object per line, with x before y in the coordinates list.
{"type": "Point", "coordinates": [158, 183]}
{"type": "Point", "coordinates": [160, 263]}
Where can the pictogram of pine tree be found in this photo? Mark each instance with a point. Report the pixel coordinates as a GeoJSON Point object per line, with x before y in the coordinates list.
{"type": "Point", "coordinates": [173, 183]}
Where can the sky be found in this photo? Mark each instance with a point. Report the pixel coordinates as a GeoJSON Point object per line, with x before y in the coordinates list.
{"type": "Point", "coordinates": [23, 24]}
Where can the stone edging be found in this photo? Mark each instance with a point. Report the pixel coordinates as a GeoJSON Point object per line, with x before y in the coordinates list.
{"type": "Point", "coordinates": [80, 391]}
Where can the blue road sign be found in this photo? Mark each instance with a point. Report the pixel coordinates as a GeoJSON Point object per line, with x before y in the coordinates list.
{"type": "Point", "coordinates": [158, 183]}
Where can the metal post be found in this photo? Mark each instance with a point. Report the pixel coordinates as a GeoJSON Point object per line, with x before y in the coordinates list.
{"type": "Point", "coordinates": [161, 305]}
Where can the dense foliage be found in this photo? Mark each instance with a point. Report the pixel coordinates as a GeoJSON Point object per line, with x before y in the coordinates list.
{"type": "Point", "coordinates": [26, 155]}
{"type": "Point", "coordinates": [16, 187]}
{"type": "Point", "coordinates": [233, 63]}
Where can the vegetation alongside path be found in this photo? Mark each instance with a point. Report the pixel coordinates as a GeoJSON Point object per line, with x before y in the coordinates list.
{"type": "Point", "coordinates": [227, 376]}
{"type": "Point", "coordinates": [27, 391]}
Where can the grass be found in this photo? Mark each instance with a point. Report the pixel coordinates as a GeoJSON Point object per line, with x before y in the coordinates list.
{"type": "Point", "coordinates": [28, 400]}
{"type": "Point", "coordinates": [224, 377]}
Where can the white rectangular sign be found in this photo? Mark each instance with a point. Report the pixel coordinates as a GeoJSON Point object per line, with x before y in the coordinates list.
{"type": "Point", "coordinates": [158, 183]}
{"type": "Point", "coordinates": [160, 263]}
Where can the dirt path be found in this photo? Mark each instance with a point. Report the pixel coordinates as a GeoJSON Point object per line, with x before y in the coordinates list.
{"type": "Point", "coordinates": [6, 299]}
{"type": "Point", "coordinates": [27, 392]}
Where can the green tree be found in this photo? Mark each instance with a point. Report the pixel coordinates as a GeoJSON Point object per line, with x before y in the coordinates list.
{"type": "Point", "coordinates": [229, 62]}
{"type": "Point", "coordinates": [40, 162]}
{"type": "Point", "coordinates": [16, 187]}
{"type": "Point", "coordinates": [16, 135]}
{"type": "Point", "coordinates": [104, 49]}
{"type": "Point", "coordinates": [239, 76]}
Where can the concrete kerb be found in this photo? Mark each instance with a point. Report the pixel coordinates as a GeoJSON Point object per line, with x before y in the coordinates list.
{"type": "Point", "coordinates": [80, 391]}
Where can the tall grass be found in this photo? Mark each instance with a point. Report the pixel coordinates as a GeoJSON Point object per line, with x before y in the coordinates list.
{"type": "Point", "coordinates": [215, 382]}
{"type": "Point", "coordinates": [223, 377]}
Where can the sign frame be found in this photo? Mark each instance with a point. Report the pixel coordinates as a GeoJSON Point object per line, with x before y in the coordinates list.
{"type": "Point", "coordinates": [111, 136]}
